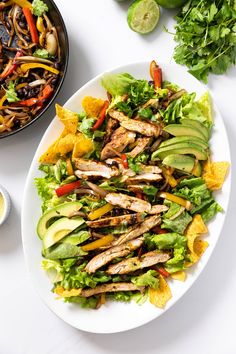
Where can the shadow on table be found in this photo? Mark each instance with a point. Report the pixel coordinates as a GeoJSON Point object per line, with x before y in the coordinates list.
{"type": "Point", "coordinates": [10, 238]}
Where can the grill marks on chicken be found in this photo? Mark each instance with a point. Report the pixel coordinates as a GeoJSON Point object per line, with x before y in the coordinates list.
{"type": "Point", "coordinates": [107, 256]}
{"type": "Point", "coordinates": [135, 125]}
{"type": "Point", "coordinates": [110, 287]}
{"type": "Point", "coordinates": [119, 140]}
{"type": "Point", "coordinates": [127, 202]}
{"type": "Point", "coordinates": [134, 263]}
{"type": "Point", "coordinates": [91, 168]}
{"type": "Point", "coordinates": [129, 219]}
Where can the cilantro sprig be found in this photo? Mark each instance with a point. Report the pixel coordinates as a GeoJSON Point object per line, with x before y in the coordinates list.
{"type": "Point", "coordinates": [206, 33]}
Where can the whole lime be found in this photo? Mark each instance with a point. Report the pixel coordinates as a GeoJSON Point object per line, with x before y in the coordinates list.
{"type": "Point", "coordinates": [171, 4]}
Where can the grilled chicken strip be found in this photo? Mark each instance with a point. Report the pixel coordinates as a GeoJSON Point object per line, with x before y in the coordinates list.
{"type": "Point", "coordinates": [157, 209]}
{"type": "Point", "coordinates": [119, 140]}
{"type": "Point", "coordinates": [134, 263]}
{"type": "Point", "coordinates": [87, 168]}
{"type": "Point", "coordinates": [144, 177]}
{"type": "Point", "coordinates": [129, 219]}
{"type": "Point", "coordinates": [126, 172]}
{"type": "Point", "coordinates": [111, 287]}
{"type": "Point", "coordinates": [135, 125]}
{"type": "Point", "coordinates": [112, 124]}
{"type": "Point", "coordinates": [142, 143]}
{"type": "Point", "coordinates": [136, 187]}
{"type": "Point", "coordinates": [139, 230]}
{"type": "Point", "coordinates": [127, 202]}
{"type": "Point", "coordinates": [107, 256]}
{"type": "Point", "coordinates": [149, 169]}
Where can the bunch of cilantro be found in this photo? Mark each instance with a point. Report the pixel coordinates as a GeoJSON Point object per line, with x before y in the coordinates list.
{"type": "Point", "coordinates": [206, 32]}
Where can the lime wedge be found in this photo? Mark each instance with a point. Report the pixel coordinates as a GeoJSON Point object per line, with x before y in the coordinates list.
{"type": "Point", "coordinates": [143, 16]}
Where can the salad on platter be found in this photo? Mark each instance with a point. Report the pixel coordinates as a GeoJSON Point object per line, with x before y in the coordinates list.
{"type": "Point", "coordinates": [127, 191]}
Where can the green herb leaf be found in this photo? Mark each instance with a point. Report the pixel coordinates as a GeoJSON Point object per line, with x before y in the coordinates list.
{"type": "Point", "coordinates": [41, 53]}
{"type": "Point", "coordinates": [39, 7]}
{"type": "Point", "coordinates": [11, 93]}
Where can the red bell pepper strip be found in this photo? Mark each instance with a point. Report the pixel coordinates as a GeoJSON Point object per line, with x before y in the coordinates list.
{"type": "Point", "coordinates": [67, 188]}
{"type": "Point", "coordinates": [32, 27]}
{"type": "Point", "coordinates": [159, 230]}
{"type": "Point", "coordinates": [139, 195]}
{"type": "Point", "coordinates": [28, 103]}
{"type": "Point", "coordinates": [11, 67]}
{"type": "Point", "coordinates": [125, 162]}
{"type": "Point", "coordinates": [156, 74]}
{"type": "Point", "coordinates": [163, 272]}
{"type": "Point", "coordinates": [47, 91]}
{"type": "Point", "coordinates": [101, 116]}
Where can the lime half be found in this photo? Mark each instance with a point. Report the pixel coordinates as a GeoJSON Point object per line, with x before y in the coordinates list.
{"type": "Point", "coordinates": [143, 16]}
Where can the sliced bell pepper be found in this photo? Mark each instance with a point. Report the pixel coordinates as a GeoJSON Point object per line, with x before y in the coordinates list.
{"type": "Point", "coordinates": [139, 195]}
{"type": "Point", "coordinates": [28, 66]}
{"type": "Point", "coordinates": [101, 116]}
{"type": "Point", "coordinates": [67, 188]}
{"type": "Point", "coordinates": [174, 198]}
{"type": "Point", "coordinates": [159, 230]}
{"type": "Point", "coordinates": [171, 180]}
{"type": "Point", "coordinates": [47, 91]}
{"type": "Point", "coordinates": [23, 3]}
{"type": "Point", "coordinates": [163, 272]}
{"type": "Point", "coordinates": [98, 243]}
{"type": "Point", "coordinates": [2, 100]}
{"type": "Point", "coordinates": [156, 74]}
{"type": "Point", "coordinates": [69, 167]}
{"type": "Point", "coordinates": [95, 214]}
{"type": "Point", "coordinates": [31, 23]}
{"type": "Point", "coordinates": [125, 162]}
{"type": "Point", "coordinates": [12, 65]}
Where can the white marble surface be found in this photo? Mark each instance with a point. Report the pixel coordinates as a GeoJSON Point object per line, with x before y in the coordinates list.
{"type": "Point", "coordinates": [204, 320]}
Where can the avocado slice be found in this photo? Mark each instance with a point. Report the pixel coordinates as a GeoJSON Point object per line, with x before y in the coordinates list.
{"type": "Point", "coordinates": [64, 209]}
{"type": "Point", "coordinates": [197, 170]}
{"type": "Point", "coordinates": [183, 163]}
{"type": "Point", "coordinates": [59, 229]}
{"type": "Point", "coordinates": [183, 139]}
{"type": "Point", "coordinates": [197, 125]}
{"type": "Point", "coordinates": [182, 149]}
{"type": "Point", "coordinates": [180, 129]}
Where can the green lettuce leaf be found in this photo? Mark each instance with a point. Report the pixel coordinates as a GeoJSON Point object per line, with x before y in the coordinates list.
{"type": "Point", "coordinates": [210, 211]}
{"type": "Point", "coordinates": [176, 263]}
{"type": "Point", "coordinates": [84, 302]}
{"type": "Point", "coordinates": [117, 84]}
{"type": "Point", "coordinates": [53, 269]}
{"type": "Point", "coordinates": [147, 279]}
{"type": "Point", "coordinates": [178, 224]}
{"type": "Point", "coordinates": [165, 241]}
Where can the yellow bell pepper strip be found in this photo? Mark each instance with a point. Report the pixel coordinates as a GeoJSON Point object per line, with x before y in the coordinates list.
{"type": "Point", "coordinates": [41, 28]}
{"type": "Point", "coordinates": [171, 180]}
{"type": "Point", "coordinates": [98, 243]}
{"type": "Point", "coordinates": [26, 67]}
{"type": "Point", "coordinates": [23, 3]}
{"type": "Point", "coordinates": [95, 214]}
{"type": "Point", "coordinates": [174, 198]}
{"type": "Point", "coordinates": [30, 21]}
{"type": "Point", "coordinates": [2, 100]}
{"type": "Point", "coordinates": [69, 167]}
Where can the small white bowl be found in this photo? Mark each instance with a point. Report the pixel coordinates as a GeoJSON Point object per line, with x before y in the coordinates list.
{"type": "Point", "coordinates": [6, 205]}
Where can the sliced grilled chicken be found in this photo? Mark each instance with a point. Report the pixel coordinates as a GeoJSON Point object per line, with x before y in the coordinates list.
{"type": "Point", "coordinates": [127, 172]}
{"type": "Point", "coordinates": [135, 263]}
{"type": "Point", "coordinates": [127, 202]}
{"type": "Point", "coordinates": [93, 168]}
{"type": "Point", "coordinates": [149, 169]}
{"type": "Point", "coordinates": [144, 128]}
{"type": "Point", "coordinates": [129, 219]}
{"type": "Point", "coordinates": [139, 230]}
{"type": "Point", "coordinates": [119, 140]}
{"type": "Point", "coordinates": [142, 143]}
{"type": "Point", "coordinates": [107, 256]}
{"type": "Point", "coordinates": [144, 177]}
{"type": "Point", "coordinates": [157, 209]}
{"type": "Point", "coordinates": [111, 287]}
{"type": "Point", "coordinates": [136, 187]}
{"type": "Point", "coordinates": [112, 124]}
